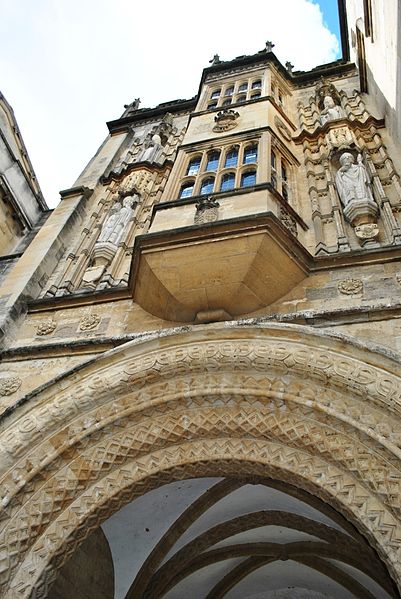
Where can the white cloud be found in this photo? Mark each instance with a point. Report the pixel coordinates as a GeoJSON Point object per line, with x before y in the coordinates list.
{"type": "Point", "coordinates": [68, 66]}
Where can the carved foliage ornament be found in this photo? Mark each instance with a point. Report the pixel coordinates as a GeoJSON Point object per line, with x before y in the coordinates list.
{"type": "Point", "coordinates": [89, 322]}
{"type": "Point", "coordinates": [46, 327]}
{"type": "Point", "coordinates": [9, 385]}
{"type": "Point", "coordinates": [288, 221]}
{"type": "Point", "coordinates": [367, 231]}
{"type": "Point", "coordinates": [350, 286]}
{"type": "Point", "coordinates": [225, 120]}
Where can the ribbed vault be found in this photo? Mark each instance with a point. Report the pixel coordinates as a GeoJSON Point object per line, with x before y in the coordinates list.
{"type": "Point", "coordinates": [315, 413]}
{"type": "Point", "coordinates": [330, 552]}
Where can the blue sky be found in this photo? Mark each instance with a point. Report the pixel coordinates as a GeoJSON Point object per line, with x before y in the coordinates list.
{"type": "Point", "coordinates": [329, 9]}
{"type": "Point", "coordinates": [68, 66]}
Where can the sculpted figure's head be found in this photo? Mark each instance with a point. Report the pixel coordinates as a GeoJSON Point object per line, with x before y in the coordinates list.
{"type": "Point", "coordinates": [346, 159]}
{"type": "Point", "coordinates": [128, 201]}
{"type": "Point", "coordinates": [328, 102]}
{"type": "Point", "coordinates": [156, 139]}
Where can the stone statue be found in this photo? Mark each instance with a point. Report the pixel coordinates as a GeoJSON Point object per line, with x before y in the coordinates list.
{"type": "Point", "coordinates": [115, 223]}
{"type": "Point", "coordinates": [134, 105]}
{"type": "Point", "coordinates": [331, 111]}
{"type": "Point", "coordinates": [215, 60]}
{"type": "Point", "coordinates": [289, 66]}
{"type": "Point", "coordinates": [269, 46]}
{"type": "Point", "coordinates": [154, 150]}
{"type": "Point", "coordinates": [352, 180]}
{"type": "Point", "coordinates": [109, 224]}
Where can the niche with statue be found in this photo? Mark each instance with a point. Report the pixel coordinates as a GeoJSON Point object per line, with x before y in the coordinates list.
{"type": "Point", "coordinates": [328, 100]}
{"type": "Point", "coordinates": [353, 183]}
{"type": "Point", "coordinates": [113, 231]}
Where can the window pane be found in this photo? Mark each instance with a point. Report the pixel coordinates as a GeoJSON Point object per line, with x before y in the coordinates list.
{"type": "Point", "coordinates": [227, 182]}
{"type": "Point", "coordinates": [273, 169]}
{"type": "Point", "coordinates": [250, 154]}
{"type": "Point", "coordinates": [248, 178]}
{"type": "Point", "coordinates": [241, 98]}
{"type": "Point", "coordinates": [194, 165]}
{"type": "Point", "coordinates": [243, 87]}
{"type": "Point", "coordinates": [213, 161]}
{"type": "Point", "coordinates": [212, 105]}
{"type": "Point", "coordinates": [231, 158]}
{"type": "Point", "coordinates": [256, 95]}
{"type": "Point", "coordinates": [256, 84]}
{"type": "Point", "coordinates": [187, 190]}
{"type": "Point", "coordinates": [285, 191]}
{"type": "Point", "coordinates": [216, 93]}
{"type": "Point", "coordinates": [226, 103]}
{"type": "Point", "coordinates": [207, 186]}
{"type": "Point", "coordinates": [229, 91]}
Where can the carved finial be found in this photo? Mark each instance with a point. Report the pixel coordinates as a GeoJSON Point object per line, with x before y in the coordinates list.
{"type": "Point", "coordinates": [289, 67]}
{"type": "Point", "coordinates": [269, 46]}
{"type": "Point", "coordinates": [215, 60]}
{"type": "Point", "coordinates": [134, 105]}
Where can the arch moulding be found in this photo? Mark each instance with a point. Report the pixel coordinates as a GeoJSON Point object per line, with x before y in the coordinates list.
{"type": "Point", "coordinates": [278, 401]}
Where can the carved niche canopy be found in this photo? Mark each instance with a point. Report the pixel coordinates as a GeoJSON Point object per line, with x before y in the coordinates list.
{"type": "Point", "coordinates": [324, 89]}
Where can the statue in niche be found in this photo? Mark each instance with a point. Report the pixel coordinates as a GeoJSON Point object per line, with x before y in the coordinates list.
{"type": "Point", "coordinates": [154, 151]}
{"type": "Point", "coordinates": [115, 223]}
{"type": "Point", "coordinates": [109, 224]}
{"type": "Point", "coordinates": [331, 111]}
{"type": "Point", "coordinates": [329, 101]}
{"type": "Point", "coordinates": [352, 180]}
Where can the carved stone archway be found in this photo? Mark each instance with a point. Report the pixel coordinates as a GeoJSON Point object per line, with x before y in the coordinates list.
{"type": "Point", "coordinates": [277, 401]}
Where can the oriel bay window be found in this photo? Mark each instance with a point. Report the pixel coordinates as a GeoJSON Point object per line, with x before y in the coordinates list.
{"type": "Point", "coordinates": [186, 190]}
{"type": "Point", "coordinates": [207, 186]}
{"type": "Point", "coordinates": [280, 174]}
{"type": "Point", "coordinates": [231, 158]}
{"type": "Point", "coordinates": [223, 169]}
{"type": "Point", "coordinates": [248, 178]}
{"type": "Point", "coordinates": [284, 180]}
{"type": "Point", "coordinates": [233, 92]}
{"type": "Point", "coordinates": [194, 165]}
{"type": "Point", "coordinates": [250, 154]}
{"type": "Point", "coordinates": [213, 161]}
{"type": "Point", "coordinates": [227, 181]}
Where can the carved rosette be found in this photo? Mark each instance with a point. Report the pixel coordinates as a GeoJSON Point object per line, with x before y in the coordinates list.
{"type": "Point", "coordinates": [367, 231]}
{"type": "Point", "coordinates": [46, 327]}
{"type": "Point", "coordinates": [9, 385]}
{"type": "Point", "coordinates": [89, 322]}
{"type": "Point", "coordinates": [350, 286]}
